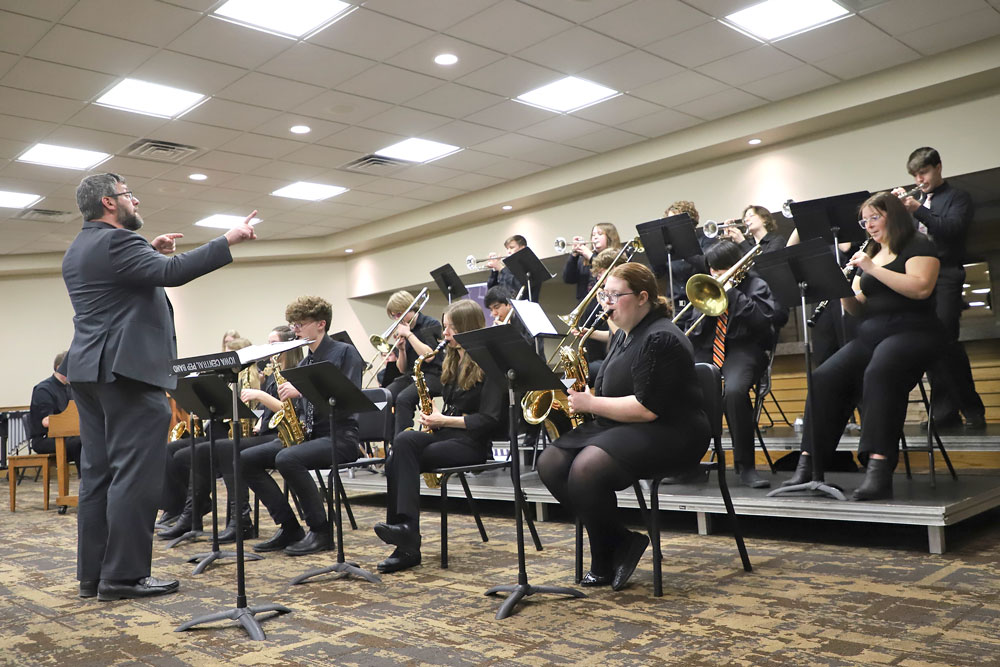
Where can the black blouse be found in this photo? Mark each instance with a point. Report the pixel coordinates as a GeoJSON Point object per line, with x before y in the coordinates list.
{"type": "Point", "coordinates": [881, 299]}
{"type": "Point", "coordinates": [482, 406]}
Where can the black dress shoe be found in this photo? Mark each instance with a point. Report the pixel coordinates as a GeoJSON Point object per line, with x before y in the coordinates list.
{"type": "Point", "coordinates": [399, 560]}
{"type": "Point", "coordinates": [975, 423]}
{"type": "Point", "coordinates": [750, 477]}
{"type": "Point", "coordinates": [803, 472]}
{"type": "Point", "coordinates": [181, 526]}
{"type": "Point", "coordinates": [229, 534]}
{"type": "Point", "coordinates": [398, 534]}
{"type": "Point", "coordinates": [591, 579]}
{"type": "Point", "coordinates": [878, 481]}
{"type": "Point", "coordinates": [167, 519]}
{"type": "Point", "coordinates": [627, 556]}
{"type": "Point", "coordinates": [281, 539]}
{"type": "Point", "coordinates": [146, 587]}
{"type": "Point", "coordinates": [88, 589]}
{"type": "Point", "coordinates": [314, 542]}
{"type": "Point", "coordinates": [697, 475]}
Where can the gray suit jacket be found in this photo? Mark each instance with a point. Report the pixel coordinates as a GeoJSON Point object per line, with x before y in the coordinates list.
{"type": "Point", "coordinates": [123, 322]}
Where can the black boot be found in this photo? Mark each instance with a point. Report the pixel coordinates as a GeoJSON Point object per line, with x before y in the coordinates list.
{"type": "Point", "coordinates": [878, 480]}
{"type": "Point", "coordinates": [182, 525]}
{"type": "Point", "coordinates": [246, 523]}
{"type": "Point", "coordinates": [803, 472]}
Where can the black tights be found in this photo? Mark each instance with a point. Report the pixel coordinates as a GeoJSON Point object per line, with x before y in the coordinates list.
{"type": "Point", "coordinates": [585, 481]}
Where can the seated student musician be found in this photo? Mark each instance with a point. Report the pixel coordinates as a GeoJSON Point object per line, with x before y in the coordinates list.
{"type": "Point", "coordinates": [762, 230]}
{"type": "Point", "coordinates": [50, 397]}
{"type": "Point", "coordinates": [416, 335]}
{"type": "Point", "coordinates": [578, 270]}
{"type": "Point", "coordinates": [650, 420]}
{"type": "Point", "coordinates": [739, 346]}
{"type": "Point", "coordinates": [309, 317]}
{"type": "Point", "coordinates": [461, 434]}
{"type": "Point", "coordinates": [502, 276]}
{"type": "Point", "coordinates": [898, 336]}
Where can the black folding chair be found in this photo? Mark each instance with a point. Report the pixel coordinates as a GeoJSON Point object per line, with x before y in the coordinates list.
{"type": "Point", "coordinates": [933, 437]}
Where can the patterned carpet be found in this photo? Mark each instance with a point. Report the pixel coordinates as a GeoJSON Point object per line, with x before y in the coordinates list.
{"type": "Point", "coordinates": [834, 594]}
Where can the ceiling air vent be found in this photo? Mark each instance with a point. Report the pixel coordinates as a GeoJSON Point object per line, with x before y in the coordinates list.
{"type": "Point", "coordinates": [375, 164]}
{"type": "Point", "coordinates": [45, 215]}
{"type": "Point", "coordinates": [161, 151]}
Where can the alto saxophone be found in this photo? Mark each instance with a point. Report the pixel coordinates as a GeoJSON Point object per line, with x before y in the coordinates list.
{"type": "Point", "coordinates": [248, 378]}
{"type": "Point", "coordinates": [426, 404]}
{"type": "Point", "coordinates": [285, 421]}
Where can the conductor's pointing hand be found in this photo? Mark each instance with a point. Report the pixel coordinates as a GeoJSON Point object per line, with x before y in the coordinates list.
{"type": "Point", "coordinates": [242, 232]}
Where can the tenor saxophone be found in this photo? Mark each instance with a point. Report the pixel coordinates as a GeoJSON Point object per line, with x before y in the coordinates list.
{"type": "Point", "coordinates": [426, 404]}
{"type": "Point", "coordinates": [285, 421]}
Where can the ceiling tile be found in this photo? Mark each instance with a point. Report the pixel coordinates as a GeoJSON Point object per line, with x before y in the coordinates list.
{"type": "Point", "coordinates": [426, 173]}
{"type": "Point", "coordinates": [509, 26]}
{"type": "Point", "coordinates": [195, 134]}
{"type": "Point", "coordinates": [49, 10]}
{"type": "Point", "coordinates": [225, 196]}
{"type": "Point", "coordinates": [901, 16]}
{"type": "Point", "coordinates": [468, 160]}
{"type": "Point", "coordinates": [19, 33]}
{"type": "Point", "coordinates": [510, 77]}
{"type": "Point", "coordinates": [281, 94]}
{"type": "Point", "coordinates": [24, 129]}
{"type": "Point", "coordinates": [679, 88]}
{"type": "Point", "coordinates": [229, 43]}
{"type": "Point", "coordinates": [433, 14]}
{"type": "Point", "coordinates": [361, 140]}
{"type": "Point", "coordinates": [630, 71]}
{"type": "Point", "coordinates": [511, 145]}
{"type": "Point", "coordinates": [10, 150]}
{"type": "Point", "coordinates": [36, 105]}
{"type": "Point", "coordinates": [703, 44]}
{"type": "Point", "coordinates": [606, 139]}
{"type": "Point", "coordinates": [59, 80]}
{"type": "Point", "coordinates": [94, 140]}
{"type": "Point", "coordinates": [280, 126]}
{"type": "Point", "coordinates": [660, 123]}
{"type": "Point", "coordinates": [750, 65]}
{"type": "Point", "coordinates": [7, 61]}
{"type": "Point", "coordinates": [287, 171]}
{"type": "Point", "coordinates": [322, 156]}
{"type": "Point", "coordinates": [574, 50]}
{"type": "Point", "coordinates": [145, 21]}
{"type": "Point", "coordinates": [389, 186]}
{"type": "Point", "coordinates": [344, 178]}
{"type": "Point", "coordinates": [369, 35]}
{"type": "Point", "coordinates": [846, 36]}
{"type": "Point", "coordinates": [721, 8]}
{"type": "Point", "coordinates": [231, 115]}
{"type": "Point", "coordinates": [787, 84]}
{"type": "Point", "coordinates": [399, 204]}
{"type": "Point", "coordinates": [617, 110]}
{"type": "Point", "coordinates": [359, 198]}
{"type": "Point", "coordinates": [954, 32]}
{"type": "Point", "coordinates": [454, 100]}
{"type": "Point", "coordinates": [471, 182]}
{"type": "Point", "coordinates": [389, 84]}
{"type": "Point", "coordinates": [553, 154]}
{"type": "Point", "coordinates": [576, 11]}
{"type": "Point", "coordinates": [561, 128]}
{"type": "Point", "coordinates": [79, 48]}
{"type": "Point", "coordinates": [133, 170]}
{"type": "Point", "coordinates": [409, 122]}
{"type": "Point", "coordinates": [38, 173]}
{"type": "Point", "coordinates": [316, 65]}
{"type": "Point", "coordinates": [645, 21]}
{"type": "Point", "coordinates": [261, 145]}
{"type": "Point", "coordinates": [187, 72]}
{"type": "Point", "coordinates": [434, 193]}
{"type": "Point", "coordinates": [96, 117]}
{"type": "Point", "coordinates": [879, 55]}
{"type": "Point", "coordinates": [215, 177]}
{"type": "Point", "coordinates": [721, 104]}
{"type": "Point", "coordinates": [233, 162]}
{"type": "Point", "coordinates": [420, 57]}
{"type": "Point", "coordinates": [462, 133]}
{"type": "Point", "coordinates": [509, 168]}
{"type": "Point", "coordinates": [340, 107]}
{"type": "Point", "coordinates": [255, 184]}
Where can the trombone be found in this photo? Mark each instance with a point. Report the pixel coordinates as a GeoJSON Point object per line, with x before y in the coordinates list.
{"type": "Point", "coordinates": [381, 342]}
{"type": "Point", "coordinates": [711, 229]}
{"type": "Point", "coordinates": [707, 293]}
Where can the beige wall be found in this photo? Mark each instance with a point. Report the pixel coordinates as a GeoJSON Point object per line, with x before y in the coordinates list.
{"type": "Point", "coordinates": [869, 156]}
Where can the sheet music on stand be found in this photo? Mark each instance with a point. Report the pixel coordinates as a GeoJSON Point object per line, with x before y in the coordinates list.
{"type": "Point", "coordinates": [536, 323]}
{"type": "Point", "coordinates": [232, 359]}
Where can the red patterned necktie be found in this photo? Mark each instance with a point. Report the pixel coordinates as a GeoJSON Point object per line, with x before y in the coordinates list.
{"type": "Point", "coordinates": [719, 344]}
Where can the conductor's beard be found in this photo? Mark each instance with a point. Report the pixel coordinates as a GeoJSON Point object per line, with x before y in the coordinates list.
{"type": "Point", "coordinates": [131, 221]}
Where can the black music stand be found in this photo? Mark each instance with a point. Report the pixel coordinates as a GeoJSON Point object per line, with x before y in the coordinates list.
{"type": "Point", "coordinates": [528, 269]}
{"type": "Point", "coordinates": [834, 220]}
{"type": "Point", "coordinates": [208, 395]}
{"type": "Point", "coordinates": [502, 353]}
{"type": "Point", "coordinates": [449, 283]}
{"type": "Point", "coordinates": [805, 273]}
{"type": "Point", "coordinates": [666, 238]}
{"type": "Point", "coordinates": [324, 383]}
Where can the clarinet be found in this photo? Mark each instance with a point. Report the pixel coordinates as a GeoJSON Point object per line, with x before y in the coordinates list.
{"type": "Point", "coordinates": [849, 273]}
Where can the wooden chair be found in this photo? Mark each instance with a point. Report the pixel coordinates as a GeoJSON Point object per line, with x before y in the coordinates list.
{"type": "Point", "coordinates": [62, 426]}
{"type": "Point", "coordinates": [21, 461]}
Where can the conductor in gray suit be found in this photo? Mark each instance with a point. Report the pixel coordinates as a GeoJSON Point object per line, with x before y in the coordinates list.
{"type": "Point", "coordinates": [119, 365]}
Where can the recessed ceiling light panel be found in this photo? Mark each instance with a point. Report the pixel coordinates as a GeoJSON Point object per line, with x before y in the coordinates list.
{"type": "Point", "coordinates": [446, 59]}
{"type": "Point", "coordinates": [507, 207]}
{"type": "Point", "coordinates": [300, 129]}
{"type": "Point", "coordinates": [198, 177]}
{"type": "Point", "coordinates": [774, 19]}
{"type": "Point", "coordinates": [309, 191]}
{"type": "Point", "coordinates": [51, 155]}
{"type": "Point", "coordinates": [18, 199]}
{"type": "Point", "coordinates": [417, 150]}
{"type": "Point", "coordinates": [152, 99]}
{"type": "Point", "coordinates": [753, 142]}
{"type": "Point", "coordinates": [223, 221]}
{"type": "Point", "coordinates": [297, 19]}
{"type": "Point", "coordinates": [568, 95]}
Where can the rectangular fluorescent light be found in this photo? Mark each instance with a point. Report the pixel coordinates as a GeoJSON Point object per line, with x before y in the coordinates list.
{"type": "Point", "coordinates": [309, 191]}
{"type": "Point", "coordinates": [981, 290]}
{"type": "Point", "coordinates": [18, 199]}
{"type": "Point", "coordinates": [567, 95]}
{"type": "Point", "coordinates": [152, 99]}
{"type": "Point", "coordinates": [774, 19]}
{"type": "Point", "coordinates": [417, 150]}
{"type": "Point", "coordinates": [222, 221]}
{"type": "Point", "coordinates": [51, 155]}
{"type": "Point", "coordinates": [296, 19]}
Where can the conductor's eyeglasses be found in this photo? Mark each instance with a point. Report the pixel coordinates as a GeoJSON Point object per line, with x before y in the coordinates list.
{"type": "Point", "coordinates": [864, 221]}
{"type": "Point", "coordinates": [611, 298]}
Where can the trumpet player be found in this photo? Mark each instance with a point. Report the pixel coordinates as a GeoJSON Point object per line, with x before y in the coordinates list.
{"type": "Point", "coordinates": [502, 276]}
{"type": "Point", "coordinates": [944, 213]}
{"type": "Point", "coordinates": [738, 342]}
{"type": "Point", "coordinates": [761, 229]}
{"type": "Point", "coordinates": [685, 268]}
{"type": "Point", "coordinates": [461, 434]}
{"type": "Point", "coordinates": [416, 335]}
{"type": "Point", "coordinates": [603, 235]}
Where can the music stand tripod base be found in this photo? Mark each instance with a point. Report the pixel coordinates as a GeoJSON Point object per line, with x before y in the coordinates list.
{"type": "Point", "coordinates": [520, 591]}
{"type": "Point", "coordinates": [816, 488]}
{"type": "Point", "coordinates": [342, 569]}
{"type": "Point", "coordinates": [206, 559]}
{"type": "Point", "coordinates": [245, 616]}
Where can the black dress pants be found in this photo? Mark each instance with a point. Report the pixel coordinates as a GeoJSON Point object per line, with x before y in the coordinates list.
{"type": "Point", "coordinates": [742, 369]}
{"type": "Point", "coordinates": [414, 452]}
{"type": "Point", "coordinates": [406, 399]}
{"type": "Point", "coordinates": [123, 427]}
{"type": "Point", "coordinates": [952, 385]}
{"type": "Point", "coordinates": [48, 446]}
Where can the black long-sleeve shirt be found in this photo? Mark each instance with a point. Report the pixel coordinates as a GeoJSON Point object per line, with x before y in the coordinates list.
{"type": "Point", "coordinates": [577, 272]}
{"type": "Point", "coordinates": [947, 221]}
{"type": "Point", "coordinates": [346, 358]}
{"type": "Point", "coordinates": [49, 397]}
{"type": "Point", "coordinates": [482, 407]}
{"type": "Point", "coordinates": [769, 243]}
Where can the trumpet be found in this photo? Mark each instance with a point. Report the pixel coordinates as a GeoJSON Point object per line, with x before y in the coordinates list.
{"type": "Point", "coordinates": [560, 245]}
{"type": "Point", "coordinates": [914, 192]}
{"type": "Point", "coordinates": [474, 264]}
{"type": "Point", "coordinates": [712, 228]}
